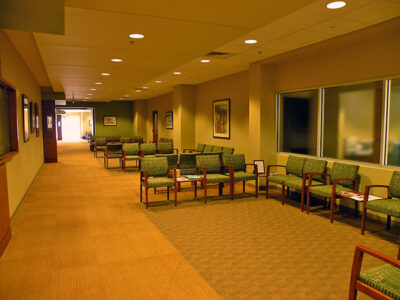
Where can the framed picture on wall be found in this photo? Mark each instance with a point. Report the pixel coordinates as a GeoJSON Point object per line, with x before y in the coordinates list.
{"type": "Point", "coordinates": [37, 119]}
{"type": "Point", "coordinates": [221, 114]}
{"type": "Point", "coordinates": [110, 120]}
{"type": "Point", "coordinates": [25, 117]}
{"type": "Point", "coordinates": [260, 166]}
{"type": "Point", "coordinates": [169, 120]}
{"type": "Point", "coordinates": [32, 117]}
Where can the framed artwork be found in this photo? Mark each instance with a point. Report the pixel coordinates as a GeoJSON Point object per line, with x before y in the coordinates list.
{"type": "Point", "coordinates": [169, 120]}
{"type": "Point", "coordinates": [25, 117]}
{"type": "Point", "coordinates": [90, 123]}
{"type": "Point", "coordinates": [37, 119]}
{"type": "Point", "coordinates": [32, 117]}
{"type": "Point", "coordinates": [221, 118]}
{"type": "Point", "coordinates": [260, 166]}
{"type": "Point", "coordinates": [50, 122]}
{"type": "Point", "coordinates": [110, 120]}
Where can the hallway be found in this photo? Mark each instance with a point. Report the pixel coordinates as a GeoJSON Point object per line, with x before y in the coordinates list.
{"type": "Point", "coordinates": [79, 234]}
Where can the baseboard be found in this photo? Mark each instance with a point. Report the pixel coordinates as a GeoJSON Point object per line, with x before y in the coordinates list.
{"type": "Point", "coordinates": [4, 242]}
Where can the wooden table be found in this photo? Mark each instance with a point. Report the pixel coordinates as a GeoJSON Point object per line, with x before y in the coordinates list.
{"type": "Point", "coordinates": [195, 180]}
{"type": "Point", "coordinates": [350, 195]}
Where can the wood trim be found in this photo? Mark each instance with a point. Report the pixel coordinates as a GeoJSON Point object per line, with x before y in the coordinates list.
{"type": "Point", "coordinates": [13, 119]}
{"type": "Point", "coordinates": [5, 233]}
{"type": "Point", "coordinates": [4, 241]}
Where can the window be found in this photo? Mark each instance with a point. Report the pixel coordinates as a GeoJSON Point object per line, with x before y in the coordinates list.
{"type": "Point", "coordinates": [352, 122]}
{"type": "Point", "coordinates": [394, 124]}
{"type": "Point", "coordinates": [299, 119]}
{"type": "Point", "coordinates": [4, 123]}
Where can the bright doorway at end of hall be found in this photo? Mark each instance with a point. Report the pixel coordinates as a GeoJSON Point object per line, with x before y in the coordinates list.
{"type": "Point", "coordinates": [73, 125]}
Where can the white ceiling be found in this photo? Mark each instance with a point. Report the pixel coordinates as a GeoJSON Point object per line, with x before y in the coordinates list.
{"type": "Point", "coordinates": [179, 34]}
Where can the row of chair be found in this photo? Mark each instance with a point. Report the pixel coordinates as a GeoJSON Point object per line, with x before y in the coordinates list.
{"type": "Point", "coordinates": [205, 148]}
{"type": "Point", "coordinates": [101, 141]}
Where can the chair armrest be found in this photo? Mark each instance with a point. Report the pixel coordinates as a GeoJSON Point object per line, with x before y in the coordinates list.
{"type": "Point", "coordinates": [143, 173]}
{"type": "Point", "coordinates": [310, 175]}
{"type": "Point", "coordinates": [255, 168]}
{"type": "Point", "coordinates": [174, 172]}
{"type": "Point", "coordinates": [368, 187]}
{"type": "Point", "coordinates": [335, 181]}
{"type": "Point", "coordinates": [188, 150]}
{"type": "Point", "coordinates": [277, 166]}
{"type": "Point", "coordinates": [204, 172]}
{"type": "Point", "coordinates": [175, 149]}
{"type": "Point", "coordinates": [231, 171]}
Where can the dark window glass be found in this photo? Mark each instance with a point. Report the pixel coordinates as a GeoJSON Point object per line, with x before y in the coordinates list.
{"type": "Point", "coordinates": [394, 124]}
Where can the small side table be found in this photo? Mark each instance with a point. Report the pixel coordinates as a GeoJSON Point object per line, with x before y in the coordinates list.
{"type": "Point", "coordinates": [194, 180]}
{"type": "Point", "coordinates": [357, 197]}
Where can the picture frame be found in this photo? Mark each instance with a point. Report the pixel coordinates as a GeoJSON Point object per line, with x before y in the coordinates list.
{"type": "Point", "coordinates": [37, 119]}
{"type": "Point", "coordinates": [25, 117]}
{"type": "Point", "coordinates": [32, 118]}
{"type": "Point", "coordinates": [221, 114]}
{"type": "Point", "coordinates": [90, 123]}
{"type": "Point", "coordinates": [169, 120]}
{"type": "Point", "coordinates": [110, 120]}
{"type": "Point", "coordinates": [260, 166]}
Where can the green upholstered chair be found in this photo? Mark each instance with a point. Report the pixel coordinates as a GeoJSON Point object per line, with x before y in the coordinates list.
{"type": "Point", "coordinates": [343, 177]}
{"type": "Point", "coordinates": [382, 282]}
{"type": "Point", "coordinates": [217, 149]}
{"type": "Point", "coordinates": [293, 170]}
{"type": "Point", "coordinates": [130, 152]}
{"type": "Point", "coordinates": [99, 145]}
{"type": "Point", "coordinates": [389, 206]}
{"type": "Point", "coordinates": [113, 151]}
{"type": "Point", "coordinates": [172, 160]}
{"type": "Point", "coordinates": [187, 163]}
{"type": "Point", "coordinates": [213, 172]}
{"type": "Point", "coordinates": [227, 151]}
{"type": "Point", "coordinates": [125, 139]}
{"type": "Point", "coordinates": [310, 166]}
{"type": "Point", "coordinates": [148, 149]}
{"type": "Point", "coordinates": [239, 169]}
{"type": "Point", "coordinates": [155, 173]}
{"type": "Point", "coordinates": [165, 148]}
{"type": "Point", "coordinates": [208, 148]}
{"type": "Point", "coordinates": [199, 149]}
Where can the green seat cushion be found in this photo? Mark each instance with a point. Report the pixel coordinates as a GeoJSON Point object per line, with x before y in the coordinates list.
{"type": "Point", "coordinates": [281, 178]}
{"type": "Point", "coordinates": [235, 160]}
{"type": "Point", "coordinates": [207, 148]}
{"type": "Point", "coordinates": [190, 171]}
{"type": "Point", "coordinates": [340, 170]}
{"type": "Point", "coordinates": [385, 278]}
{"type": "Point", "coordinates": [298, 183]}
{"type": "Point", "coordinates": [389, 207]}
{"type": "Point", "coordinates": [216, 178]}
{"type": "Point", "coordinates": [132, 157]}
{"type": "Point", "coordinates": [241, 176]}
{"type": "Point", "coordinates": [394, 187]}
{"type": "Point", "coordinates": [211, 162]}
{"type": "Point", "coordinates": [315, 166]}
{"type": "Point", "coordinates": [295, 165]}
{"type": "Point", "coordinates": [114, 155]}
{"type": "Point", "coordinates": [148, 156]}
{"type": "Point", "coordinates": [326, 190]}
{"type": "Point", "coordinates": [160, 181]}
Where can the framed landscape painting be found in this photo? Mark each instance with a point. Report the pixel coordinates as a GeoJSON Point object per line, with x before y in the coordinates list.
{"type": "Point", "coordinates": [222, 118]}
{"type": "Point", "coordinates": [110, 120]}
{"type": "Point", "coordinates": [169, 120]}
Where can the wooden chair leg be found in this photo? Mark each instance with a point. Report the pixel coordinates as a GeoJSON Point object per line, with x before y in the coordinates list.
{"type": "Point", "coordinates": [205, 192]}
{"type": "Point", "coordinates": [141, 188]}
{"type": "Point", "coordinates": [308, 201]}
{"type": "Point", "coordinates": [155, 191]}
{"type": "Point", "coordinates": [244, 186]}
{"type": "Point", "coordinates": [147, 197]}
{"type": "Point", "coordinates": [266, 188]}
{"type": "Point", "coordinates": [220, 188]}
{"type": "Point", "coordinates": [167, 192]}
{"type": "Point", "coordinates": [283, 194]}
{"type": "Point", "coordinates": [176, 196]}
{"type": "Point", "coordinates": [398, 254]}
{"type": "Point", "coordinates": [232, 189]}
{"type": "Point", "coordinates": [363, 217]}
{"type": "Point", "coordinates": [389, 218]}
{"type": "Point", "coordinates": [302, 200]}
{"type": "Point", "coordinates": [257, 187]}
{"type": "Point", "coordinates": [195, 190]}
{"type": "Point", "coordinates": [288, 192]}
{"type": "Point", "coordinates": [333, 201]}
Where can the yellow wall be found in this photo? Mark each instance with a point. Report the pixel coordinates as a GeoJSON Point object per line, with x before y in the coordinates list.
{"type": "Point", "coordinates": [22, 169]}
{"type": "Point", "coordinates": [140, 118]}
{"type": "Point", "coordinates": [162, 104]}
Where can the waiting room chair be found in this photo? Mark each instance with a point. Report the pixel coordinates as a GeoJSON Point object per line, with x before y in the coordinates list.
{"type": "Point", "coordinates": [239, 170]}
{"type": "Point", "coordinates": [381, 282]}
{"type": "Point", "coordinates": [389, 206]}
{"type": "Point", "coordinates": [199, 149]}
{"type": "Point", "coordinates": [99, 145]}
{"type": "Point", "coordinates": [155, 173]}
{"type": "Point", "coordinates": [343, 177]}
{"type": "Point", "coordinates": [207, 149]}
{"type": "Point", "coordinates": [227, 151]}
{"type": "Point", "coordinates": [125, 139]}
{"type": "Point", "coordinates": [130, 152]}
{"type": "Point", "coordinates": [166, 148]}
{"type": "Point", "coordinates": [112, 151]}
{"type": "Point", "coordinates": [217, 149]}
{"type": "Point", "coordinates": [148, 149]}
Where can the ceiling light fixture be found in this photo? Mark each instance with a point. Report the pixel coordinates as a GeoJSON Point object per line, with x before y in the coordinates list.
{"type": "Point", "coordinates": [116, 59]}
{"type": "Point", "coordinates": [205, 60]}
{"type": "Point", "coordinates": [138, 90]}
{"type": "Point", "coordinates": [90, 94]}
{"type": "Point", "coordinates": [98, 83]}
{"type": "Point", "coordinates": [92, 89]}
{"type": "Point", "coordinates": [336, 4]}
{"type": "Point", "coordinates": [136, 36]}
{"type": "Point", "coordinates": [105, 74]}
{"type": "Point", "coordinates": [250, 41]}
{"type": "Point", "coordinates": [158, 81]}
{"type": "Point", "coordinates": [145, 87]}
{"type": "Point", "coordinates": [177, 73]}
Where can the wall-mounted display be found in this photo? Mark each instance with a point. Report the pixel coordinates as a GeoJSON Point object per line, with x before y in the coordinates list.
{"type": "Point", "coordinates": [110, 120]}
{"type": "Point", "coordinates": [32, 117]}
{"type": "Point", "coordinates": [37, 119]}
{"type": "Point", "coordinates": [221, 114]}
{"type": "Point", "coordinates": [169, 120]}
{"type": "Point", "coordinates": [25, 117]}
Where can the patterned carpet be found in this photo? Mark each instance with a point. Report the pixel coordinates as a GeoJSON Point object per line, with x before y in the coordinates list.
{"type": "Point", "coordinates": [258, 249]}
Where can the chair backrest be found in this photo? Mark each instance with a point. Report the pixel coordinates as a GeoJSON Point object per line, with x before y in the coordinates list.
{"type": "Point", "coordinates": [315, 166]}
{"type": "Point", "coordinates": [148, 149]}
{"type": "Point", "coordinates": [295, 165]}
{"type": "Point", "coordinates": [172, 160]}
{"type": "Point", "coordinates": [227, 150]}
{"type": "Point", "coordinates": [155, 166]}
{"type": "Point", "coordinates": [131, 148]}
{"type": "Point", "coordinates": [217, 149]}
{"type": "Point", "coordinates": [212, 163]}
{"type": "Point", "coordinates": [166, 148]}
{"type": "Point", "coordinates": [394, 187]}
{"type": "Point", "coordinates": [187, 161]}
{"type": "Point", "coordinates": [207, 148]}
{"type": "Point", "coordinates": [236, 160]}
{"type": "Point", "coordinates": [112, 147]}
{"type": "Point", "coordinates": [101, 141]}
{"type": "Point", "coordinates": [200, 147]}
{"type": "Point", "coordinates": [340, 170]}
{"type": "Point", "coordinates": [125, 139]}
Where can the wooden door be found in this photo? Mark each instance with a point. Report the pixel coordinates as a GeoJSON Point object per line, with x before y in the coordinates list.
{"type": "Point", "coordinates": [155, 126]}
{"type": "Point", "coordinates": [59, 127]}
{"type": "Point", "coordinates": [49, 131]}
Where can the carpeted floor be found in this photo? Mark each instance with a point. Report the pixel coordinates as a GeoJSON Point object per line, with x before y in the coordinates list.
{"type": "Point", "coordinates": [258, 249]}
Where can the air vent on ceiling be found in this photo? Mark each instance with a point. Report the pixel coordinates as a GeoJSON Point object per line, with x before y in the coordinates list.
{"type": "Point", "coordinates": [219, 55]}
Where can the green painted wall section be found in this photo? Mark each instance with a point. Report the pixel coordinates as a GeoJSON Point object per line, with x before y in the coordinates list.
{"type": "Point", "coordinates": [122, 109]}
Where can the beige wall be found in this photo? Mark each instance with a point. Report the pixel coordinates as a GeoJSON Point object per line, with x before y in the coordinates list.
{"type": "Point", "coordinates": [22, 169]}
{"type": "Point", "coordinates": [140, 118]}
{"type": "Point", "coordinates": [236, 88]}
{"type": "Point", "coordinates": [162, 104]}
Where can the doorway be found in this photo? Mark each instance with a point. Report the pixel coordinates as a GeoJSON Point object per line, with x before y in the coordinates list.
{"type": "Point", "coordinates": [155, 126]}
{"type": "Point", "coordinates": [73, 125]}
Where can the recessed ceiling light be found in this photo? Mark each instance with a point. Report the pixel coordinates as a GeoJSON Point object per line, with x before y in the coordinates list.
{"type": "Point", "coordinates": [136, 36]}
{"type": "Point", "coordinates": [251, 41]}
{"type": "Point", "coordinates": [105, 74]}
{"type": "Point", "coordinates": [138, 90]}
{"type": "Point", "coordinates": [205, 60]}
{"type": "Point", "coordinates": [336, 4]}
{"type": "Point", "coordinates": [158, 81]}
{"type": "Point", "coordinates": [90, 94]}
{"type": "Point", "coordinates": [116, 59]}
{"type": "Point", "coordinates": [98, 83]}
{"type": "Point", "coordinates": [85, 97]}
{"type": "Point", "coordinates": [177, 73]}
{"type": "Point", "coordinates": [127, 95]}
{"type": "Point", "coordinates": [145, 87]}
{"type": "Point", "coordinates": [92, 89]}
{"type": "Point", "coordinates": [121, 98]}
